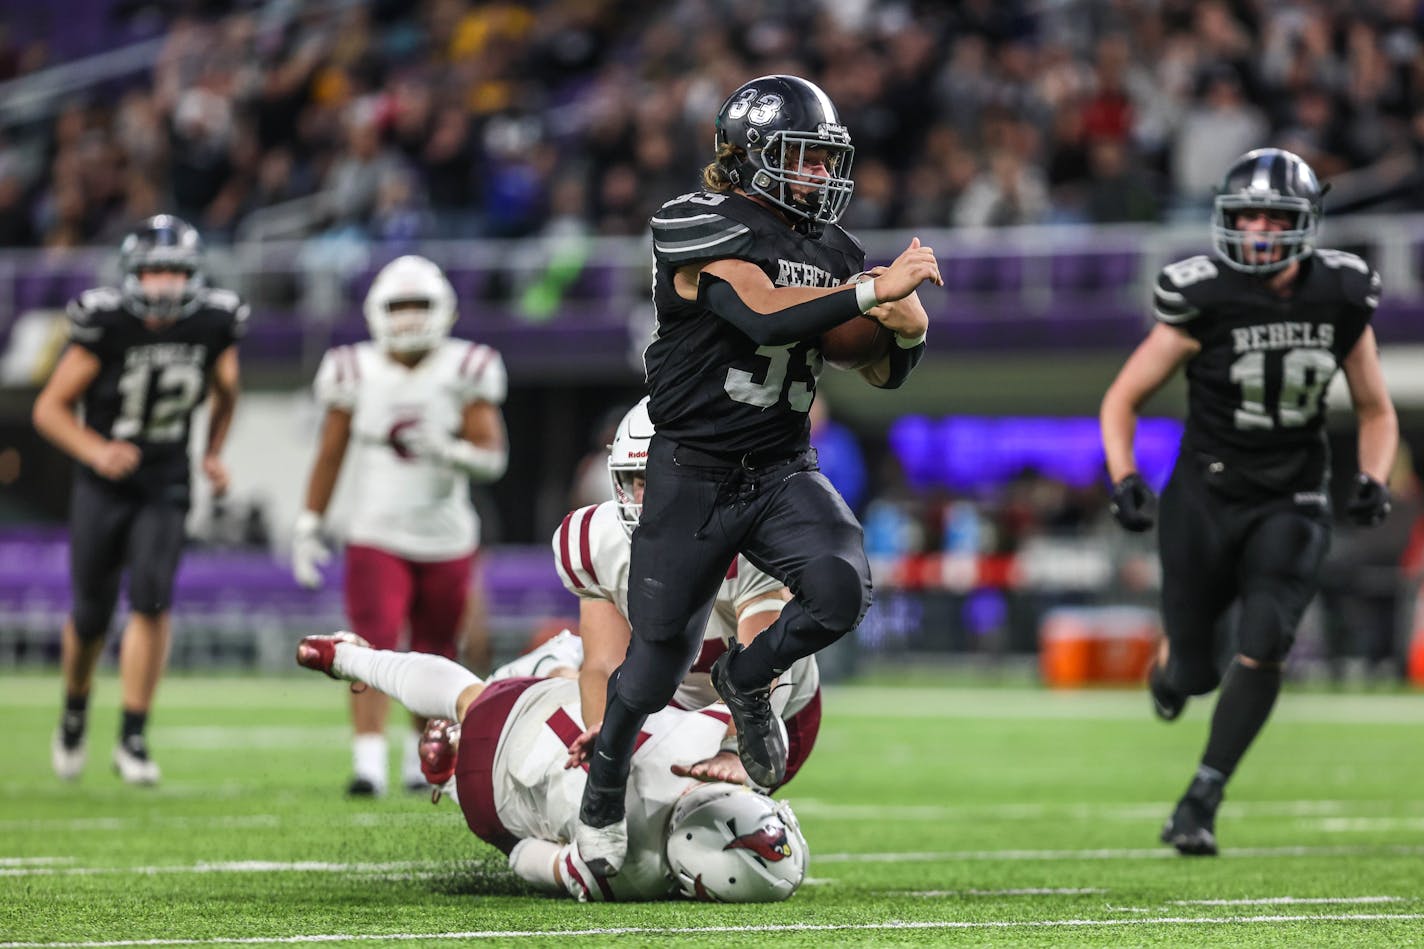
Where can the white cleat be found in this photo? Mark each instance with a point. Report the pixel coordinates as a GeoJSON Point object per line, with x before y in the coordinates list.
{"type": "Point", "coordinates": [603, 848]}
{"type": "Point", "coordinates": [133, 769]}
{"type": "Point", "coordinates": [68, 763]}
{"type": "Point", "coordinates": [562, 651]}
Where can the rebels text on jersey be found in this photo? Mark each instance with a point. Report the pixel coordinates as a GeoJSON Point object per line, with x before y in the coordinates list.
{"type": "Point", "coordinates": [710, 386]}
{"type": "Point", "coordinates": [1256, 390]}
{"type": "Point", "coordinates": [150, 380]}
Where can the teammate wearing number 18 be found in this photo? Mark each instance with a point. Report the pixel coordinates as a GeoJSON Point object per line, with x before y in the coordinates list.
{"type": "Point", "coordinates": [141, 357]}
{"type": "Point", "coordinates": [749, 274]}
{"type": "Point", "coordinates": [1261, 329]}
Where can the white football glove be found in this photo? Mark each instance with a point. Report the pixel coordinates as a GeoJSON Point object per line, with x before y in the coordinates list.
{"type": "Point", "coordinates": [309, 552]}
{"type": "Point", "coordinates": [427, 442]}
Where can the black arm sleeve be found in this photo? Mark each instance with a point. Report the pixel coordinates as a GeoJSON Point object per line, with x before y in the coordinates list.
{"type": "Point", "coordinates": [791, 325]}
{"type": "Point", "coordinates": [902, 362]}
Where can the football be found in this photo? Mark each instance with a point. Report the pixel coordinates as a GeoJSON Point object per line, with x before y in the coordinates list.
{"type": "Point", "coordinates": [855, 344]}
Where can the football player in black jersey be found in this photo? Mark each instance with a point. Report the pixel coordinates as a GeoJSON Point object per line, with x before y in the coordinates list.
{"type": "Point", "coordinates": [749, 273]}
{"type": "Point", "coordinates": [141, 357]}
{"type": "Point", "coordinates": [1261, 327]}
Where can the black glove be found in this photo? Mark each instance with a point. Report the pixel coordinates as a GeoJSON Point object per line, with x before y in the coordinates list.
{"type": "Point", "coordinates": [1369, 502]}
{"type": "Point", "coordinates": [1133, 503]}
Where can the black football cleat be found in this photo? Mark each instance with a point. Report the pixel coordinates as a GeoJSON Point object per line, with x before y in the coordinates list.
{"type": "Point", "coordinates": [361, 787]}
{"type": "Point", "coordinates": [1167, 702]}
{"type": "Point", "coordinates": [1192, 826]}
{"type": "Point", "coordinates": [761, 743]}
{"type": "Point", "coordinates": [601, 834]}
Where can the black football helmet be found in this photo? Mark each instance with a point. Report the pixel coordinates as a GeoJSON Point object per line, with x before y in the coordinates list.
{"type": "Point", "coordinates": [162, 242]}
{"type": "Point", "coordinates": [1272, 179]}
{"type": "Point", "coordinates": [772, 121]}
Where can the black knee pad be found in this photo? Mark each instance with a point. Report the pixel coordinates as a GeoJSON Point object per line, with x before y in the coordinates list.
{"type": "Point", "coordinates": [1193, 675]}
{"type": "Point", "coordinates": [92, 616]}
{"type": "Point", "coordinates": [835, 592]}
{"type": "Point", "coordinates": [1267, 628]}
{"type": "Point", "coordinates": [150, 591]}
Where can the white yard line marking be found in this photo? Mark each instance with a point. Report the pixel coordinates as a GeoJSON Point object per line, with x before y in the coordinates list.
{"type": "Point", "coordinates": [239, 821]}
{"type": "Point", "coordinates": [714, 930]}
{"type": "Point", "coordinates": [1139, 853]}
{"type": "Point", "coordinates": [241, 866]}
{"type": "Point", "coordinates": [416, 868]}
{"type": "Point", "coordinates": [1342, 816]}
{"type": "Point", "coordinates": [1019, 891]}
{"type": "Point", "coordinates": [869, 702]}
{"type": "Point", "coordinates": [1294, 901]}
{"type": "Point", "coordinates": [33, 861]}
{"type": "Point", "coordinates": [1127, 811]}
{"type": "Point", "coordinates": [1340, 825]}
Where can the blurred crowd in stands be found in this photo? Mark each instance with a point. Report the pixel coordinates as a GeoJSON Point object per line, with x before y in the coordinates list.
{"type": "Point", "coordinates": [459, 118]}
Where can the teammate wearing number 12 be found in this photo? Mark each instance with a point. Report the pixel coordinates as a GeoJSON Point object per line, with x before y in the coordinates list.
{"type": "Point", "coordinates": [141, 357]}
{"type": "Point", "coordinates": [748, 274]}
{"type": "Point", "coordinates": [1261, 329]}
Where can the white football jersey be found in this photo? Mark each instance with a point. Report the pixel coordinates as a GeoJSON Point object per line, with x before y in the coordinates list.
{"type": "Point", "coordinates": [592, 553]}
{"type": "Point", "coordinates": [413, 507]}
{"type": "Point", "coordinates": [536, 796]}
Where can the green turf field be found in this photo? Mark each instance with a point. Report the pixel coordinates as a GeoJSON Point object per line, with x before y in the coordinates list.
{"type": "Point", "coordinates": [936, 816]}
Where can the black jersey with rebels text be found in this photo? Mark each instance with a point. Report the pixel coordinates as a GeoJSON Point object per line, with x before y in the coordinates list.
{"type": "Point", "coordinates": [150, 380]}
{"type": "Point", "coordinates": [710, 385]}
{"type": "Point", "coordinates": [1256, 390]}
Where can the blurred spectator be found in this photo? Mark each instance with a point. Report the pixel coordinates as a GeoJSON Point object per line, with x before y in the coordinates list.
{"type": "Point", "coordinates": [1116, 191]}
{"type": "Point", "coordinates": [1008, 193]}
{"type": "Point", "coordinates": [981, 113]}
{"type": "Point", "coordinates": [1220, 126]}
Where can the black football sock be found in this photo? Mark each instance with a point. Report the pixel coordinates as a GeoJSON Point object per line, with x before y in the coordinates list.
{"type": "Point", "coordinates": [74, 720]}
{"type": "Point", "coordinates": [131, 733]}
{"type": "Point", "coordinates": [609, 763]}
{"type": "Point", "coordinates": [793, 636]}
{"type": "Point", "coordinates": [1242, 707]}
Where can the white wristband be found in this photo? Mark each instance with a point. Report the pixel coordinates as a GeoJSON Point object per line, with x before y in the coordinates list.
{"type": "Point", "coordinates": [905, 342]}
{"type": "Point", "coordinates": [308, 522]}
{"type": "Point", "coordinates": [481, 464]}
{"type": "Point", "coordinates": [865, 297]}
{"type": "Point", "coordinates": [729, 744]}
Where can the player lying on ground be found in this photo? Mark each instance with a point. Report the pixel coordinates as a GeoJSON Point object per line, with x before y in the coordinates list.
{"type": "Point", "coordinates": [592, 549]}
{"type": "Point", "coordinates": [519, 785]}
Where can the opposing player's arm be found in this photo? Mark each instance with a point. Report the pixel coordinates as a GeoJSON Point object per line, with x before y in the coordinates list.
{"type": "Point", "coordinates": [756, 616]}
{"type": "Point", "coordinates": [481, 451]}
{"type": "Point", "coordinates": [605, 634]}
{"type": "Point", "coordinates": [741, 293]}
{"type": "Point", "coordinates": [1374, 410]}
{"type": "Point", "coordinates": [331, 451]}
{"type": "Point", "coordinates": [1154, 361]}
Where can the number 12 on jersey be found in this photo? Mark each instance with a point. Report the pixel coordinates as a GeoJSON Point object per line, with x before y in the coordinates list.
{"type": "Point", "coordinates": [156, 413]}
{"type": "Point", "coordinates": [1304, 375]}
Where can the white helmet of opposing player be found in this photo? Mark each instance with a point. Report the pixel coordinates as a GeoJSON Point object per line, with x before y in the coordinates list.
{"type": "Point", "coordinates": [411, 306]}
{"type": "Point", "coordinates": [628, 459]}
{"type": "Point", "coordinates": [729, 844]}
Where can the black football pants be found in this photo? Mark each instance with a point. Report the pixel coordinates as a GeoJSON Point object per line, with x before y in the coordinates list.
{"type": "Point", "coordinates": [699, 512]}
{"type": "Point", "coordinates": [110, 528]}
{"type": "Point", "coordinates": [1263, 551]}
